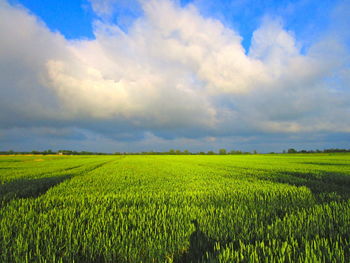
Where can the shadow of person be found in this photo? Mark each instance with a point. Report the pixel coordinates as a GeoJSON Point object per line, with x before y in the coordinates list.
{"type": "Point", "coordinates": [200, 245]}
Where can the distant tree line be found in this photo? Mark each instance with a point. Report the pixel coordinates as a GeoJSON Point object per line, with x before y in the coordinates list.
{"type": "Point", "coordinates": [187, 152]}
{"type": "Point", "coordinates": [50, 152]}
{"type": "Point", "coordinates": [170, 152]}
{"type": "Point", "coordinates": [331, 150]}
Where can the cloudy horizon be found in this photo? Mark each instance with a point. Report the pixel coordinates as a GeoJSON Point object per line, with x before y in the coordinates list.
{"type": "Point", "coordinates": [161, 74]}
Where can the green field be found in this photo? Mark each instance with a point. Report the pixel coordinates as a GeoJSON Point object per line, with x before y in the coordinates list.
{"type": "Point", "coordinates": [252, 208]}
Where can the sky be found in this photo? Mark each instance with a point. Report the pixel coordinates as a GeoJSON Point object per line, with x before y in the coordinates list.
{"type": "Point", "coordinates": [138, 75]}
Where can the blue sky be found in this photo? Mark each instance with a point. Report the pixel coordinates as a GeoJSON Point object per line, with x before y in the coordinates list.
{"type": "Point", "coordinates": [306, 18]}
{"type": "Point", "coordinates": [72, 18]}
{"type": "Point", "coordinates": [118, 75]}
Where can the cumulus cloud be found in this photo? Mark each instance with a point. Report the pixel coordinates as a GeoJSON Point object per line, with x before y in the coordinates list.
{"type": "Point", "coordinates": [121, 11]}
{"type": "Point", "coordinates": [174, 73]}
{"type": "Point", "coordinates": [25, 47]}
{"type": "Point", "coordinates": [103, 7]}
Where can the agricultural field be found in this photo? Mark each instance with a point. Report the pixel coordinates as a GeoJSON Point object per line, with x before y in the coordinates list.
{"type": "Point", "coordinates": [248, 208]}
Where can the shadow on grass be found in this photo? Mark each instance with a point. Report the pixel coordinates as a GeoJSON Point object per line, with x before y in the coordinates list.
{"type": "Point", "coordinates": [327, 164]}
{"type": "Point", "coordinates": [24, 188]}
{"type": "Point", "coordinates": [201, 247]}
{"type": "Point", "coordinates": [324, 185]}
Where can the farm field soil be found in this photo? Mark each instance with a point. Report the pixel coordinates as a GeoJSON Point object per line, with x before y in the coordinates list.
{"type": "Point", "coordinates": [232, 208]}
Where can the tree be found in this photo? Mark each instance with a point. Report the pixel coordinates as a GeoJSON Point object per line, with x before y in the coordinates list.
{"type": "Point", "coordinates": [210, 153]}
{"type": "Point", "coordinates": [291, 150]}
{"type": "Point", "coordinates": [48, 152]}
{"type": "Point", "coordinates": [222, 151]}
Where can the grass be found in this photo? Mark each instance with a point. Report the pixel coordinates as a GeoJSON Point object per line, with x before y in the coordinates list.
{"type": "Point", "coordinates": [257, 208]}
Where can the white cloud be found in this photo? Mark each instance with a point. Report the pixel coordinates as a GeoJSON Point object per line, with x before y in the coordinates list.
{"type": "Point", "coordinates": [115, 9]}
{"type": "Point", "coordinates": [25, 47]}
{"type": "Point", "coordinates": [103, 7]}
{"type": "Point", "coordinates": [173, 72]}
